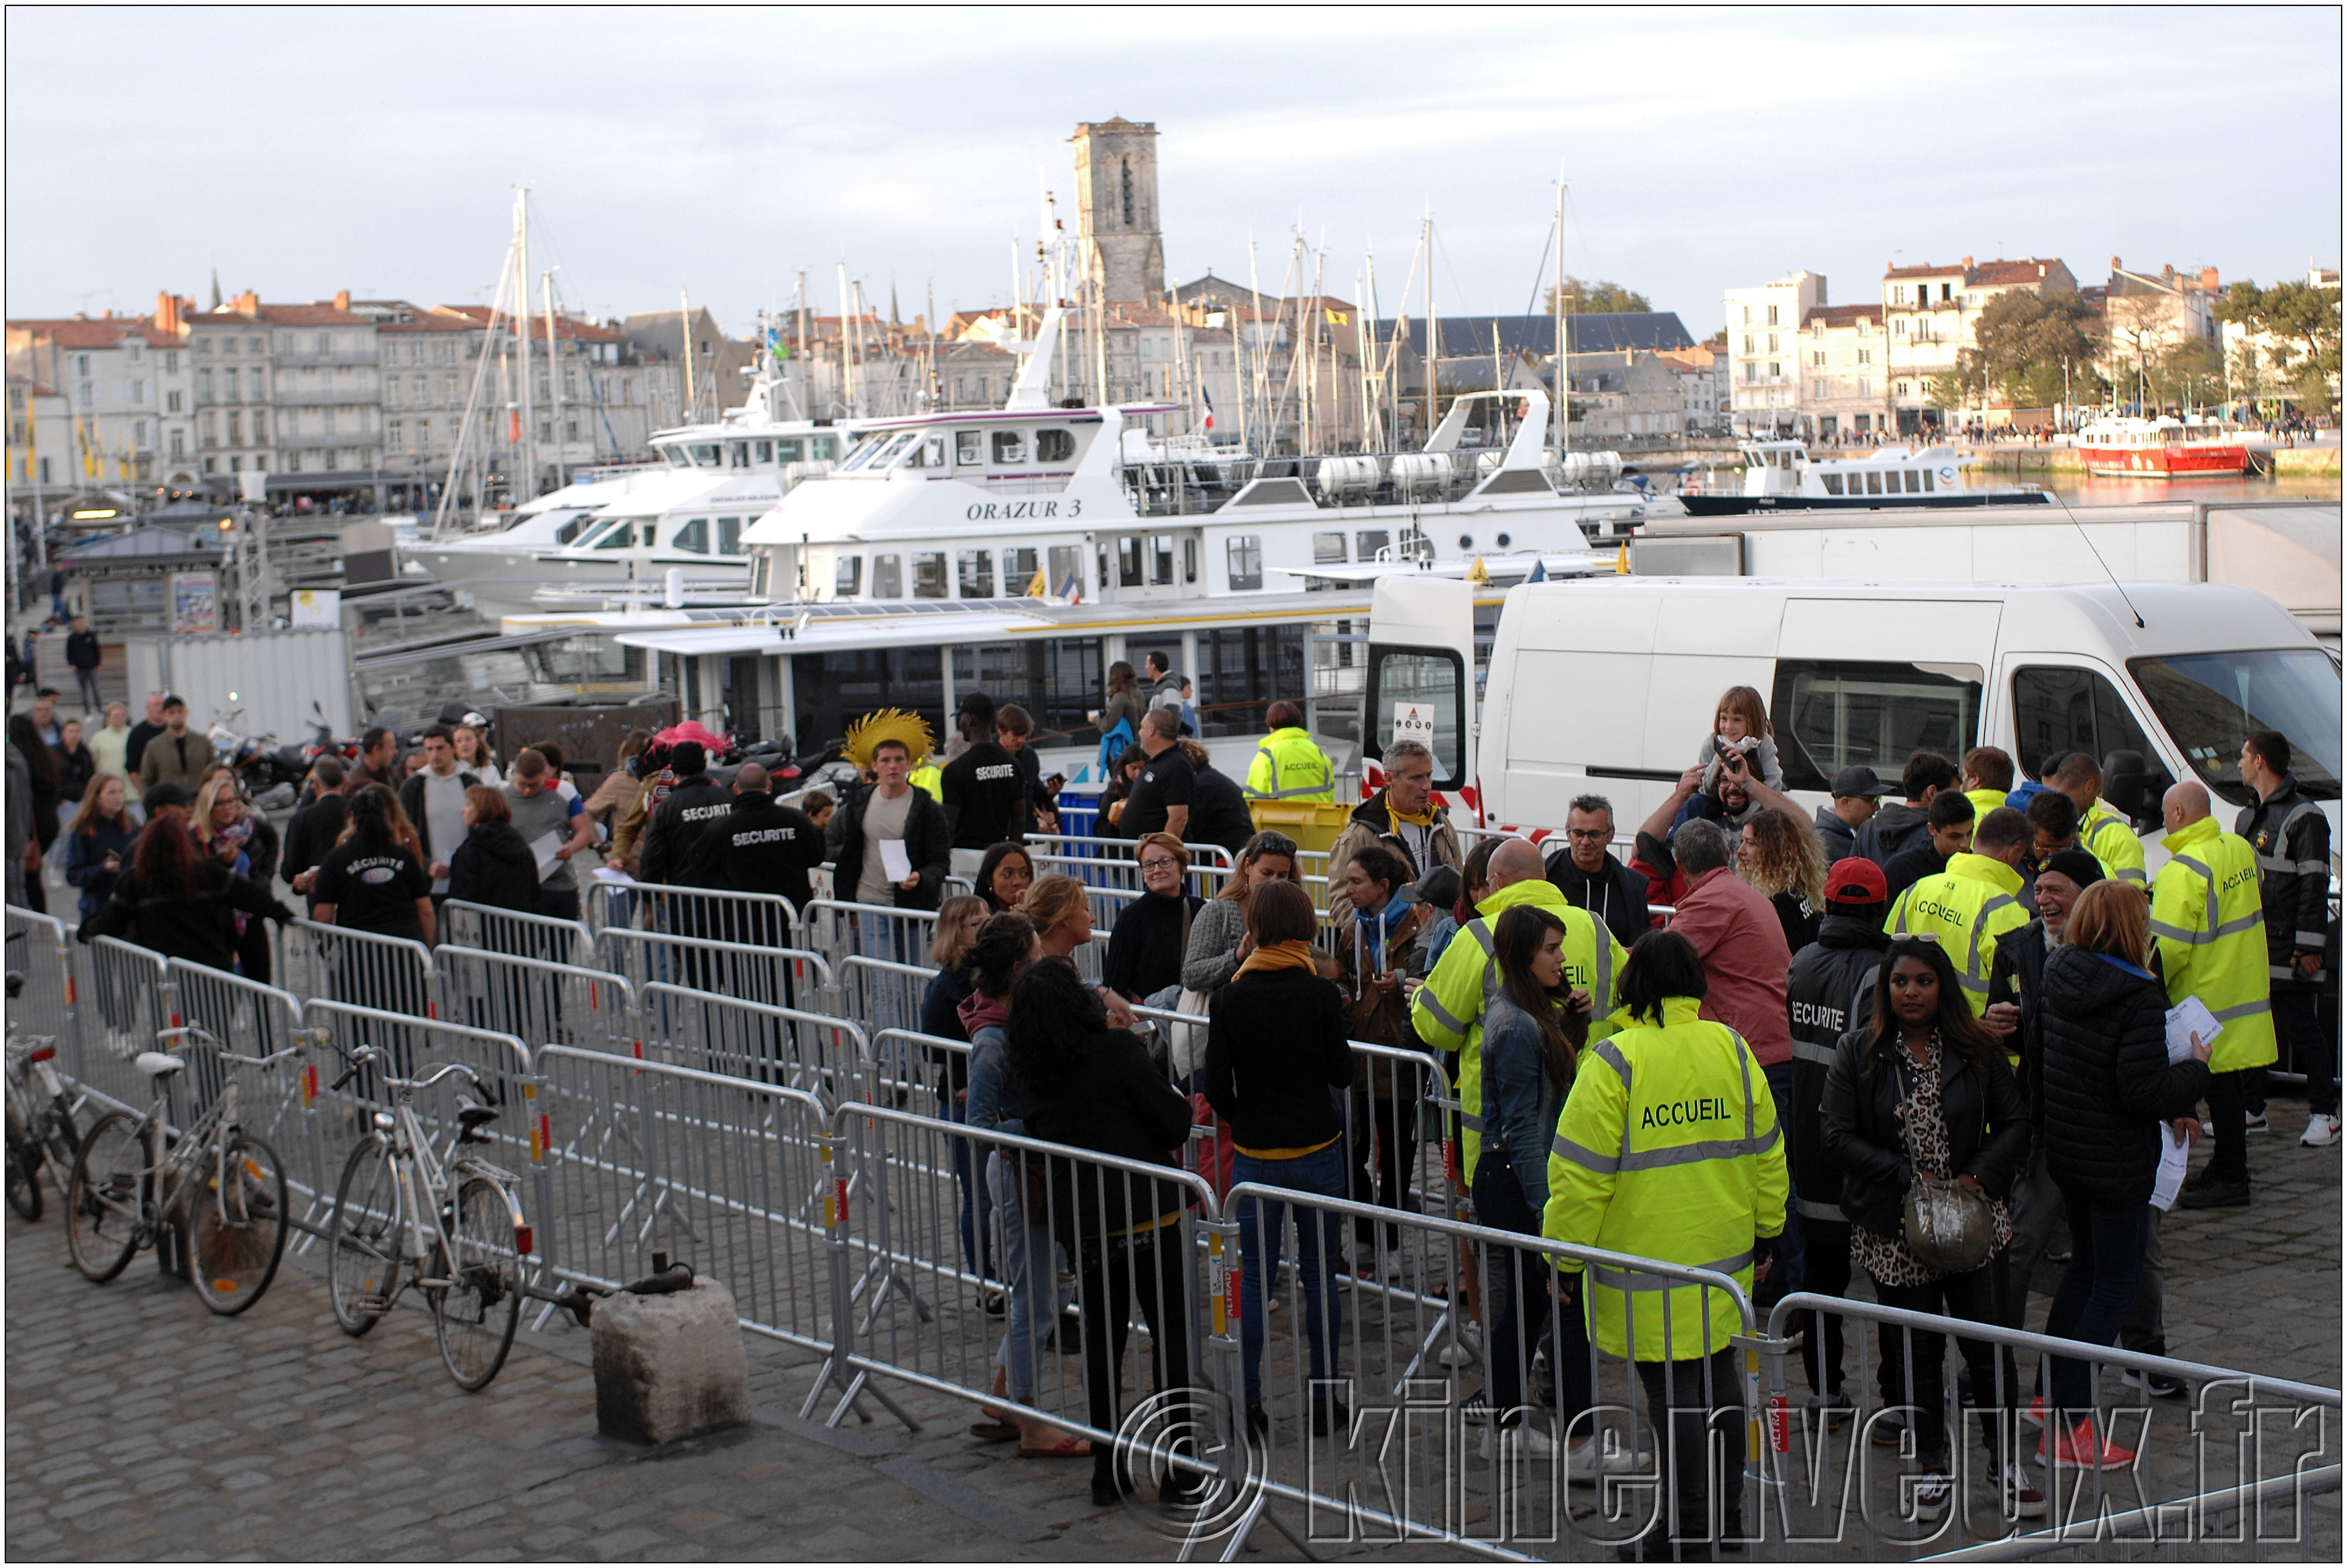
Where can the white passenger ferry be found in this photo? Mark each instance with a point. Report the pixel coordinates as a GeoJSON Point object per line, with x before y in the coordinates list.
{"type": "Point", "coordinates": [1082, 504]}
{"type": "Point", "coordinates": [607, 535]}
{"type": "Point", "coordinates": [1781, 476]}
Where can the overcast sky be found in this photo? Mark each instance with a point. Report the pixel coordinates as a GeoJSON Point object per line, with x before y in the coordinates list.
{"type": "Point", "coordinates": [304, 151]}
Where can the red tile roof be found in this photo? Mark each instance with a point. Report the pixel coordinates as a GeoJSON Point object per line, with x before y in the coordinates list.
{"type": "Point", "coordinates": [95, 331]}
{"type": "Point", "coordinates": [1999, 274]}
{"type": "Point", "coordinates": [1843, 315]}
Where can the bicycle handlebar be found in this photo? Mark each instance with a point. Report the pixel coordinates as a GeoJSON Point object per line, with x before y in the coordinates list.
{"type": "Point", "coordinates": [360, 1055]}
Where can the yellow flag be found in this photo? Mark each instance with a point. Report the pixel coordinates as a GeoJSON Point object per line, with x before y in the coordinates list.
{"type": "Point", "coordinates": [1336, 318]}
{"type": "Point", "coordinates": [1037, 586]}
{"type": "Point", "coordinates": [1476, 573]}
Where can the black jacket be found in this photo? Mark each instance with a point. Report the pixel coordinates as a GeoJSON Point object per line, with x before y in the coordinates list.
{"type": "Point", "coordinates": [1829, 991]}
{"type": "Point", "coordinates": [2292, 839]}
{"type": "Point", "coordinates": [1276, 1045]}
{"type": "Point", "coordinates": [494, 867]}
{"type": "Point", "coordinates": [1148, 943]}
{"type": "Point", "coordinates": [677, 830]}
{"type": "Point", "coordinates": [1988, 1125]}
{"type": "Point", "coordinates": [1918, 860]}
{"type": "Point", "coordinates": [410, 801]}
{"type": "Point", "coordinates": [2108, 1084]}
{"type": "Point", "coordinates": [760, 847]}
{"type": "Point", "coordinates": [1615, 894]}
{"type": "Point", "coordinates": [134, 749]}
{"type": "Point", "coordinates": [986, 801]}
{"type": "Point", "coordinates": [1218, 812]}
{"type": "Point", "coordinates": [2016, 974]}
{"type": "Point", "coordinates": [82, 651]}
{"type": "Point", "coordinates": [1892, 830]}
{"type": "Point", "coordinates": [1837, 838]}
{"type": "Point", "coordinates": [1116, 1102]}
{"type": "Point", "coordinates": [313, 833]}
{"type": "Point", "coordinates": [76, 769]}
{"type": "Point", "coordinates": [263, 850]}
{"type": "Point", "coordinates": [927, 844]}
{"type": "Point", "coordinates": [199, 928]}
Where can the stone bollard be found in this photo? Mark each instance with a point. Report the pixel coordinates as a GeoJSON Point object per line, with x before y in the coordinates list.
{"type": "Point", "coordinates": [670, 1366]}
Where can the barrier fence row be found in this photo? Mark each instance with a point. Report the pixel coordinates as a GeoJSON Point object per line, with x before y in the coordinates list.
{"type": "Point", "coordinates": [1345, 1371]}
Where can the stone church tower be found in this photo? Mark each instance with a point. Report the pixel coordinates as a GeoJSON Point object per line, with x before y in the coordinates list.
{"type": "Point", "coordinates": [1116, 203]}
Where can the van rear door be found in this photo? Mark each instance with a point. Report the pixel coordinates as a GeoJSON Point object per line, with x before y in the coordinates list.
{"type": "Point", "coordinates": [1421, 679]}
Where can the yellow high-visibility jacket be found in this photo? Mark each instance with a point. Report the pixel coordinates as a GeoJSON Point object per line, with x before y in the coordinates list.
{"type": "Point", "coordinates": [1983, 802]}
{"type": "Point", "coordinates": [928, 775]}
{"type": "Point", "coordinates": [1288, 765]}
{"type": "Point", "coordinates": [2208, 921]}
{"type": "Point", "coordinates": [1667, 1148]}
{"type": "Point", "coordinates": [1448, 1012]}
{"type": "Point", "coordinates": [1968, 906]}
{"type": "Point", "coordinates": [2110, 839]}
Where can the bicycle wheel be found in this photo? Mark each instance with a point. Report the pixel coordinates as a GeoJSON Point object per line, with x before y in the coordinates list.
{"type": "Point", "coordinates": [363, 1242]}
{"type": "Point", "coordinates": [24, 1174]}
{"type": "Point", "coordinates": [237, 1233]}
{"type": "Point", "coordinates": [106, 1197]}
{"type": "Point", "coordinates": [476, 1316]}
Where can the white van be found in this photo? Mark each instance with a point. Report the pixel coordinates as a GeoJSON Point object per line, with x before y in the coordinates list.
{"type": "Point", "coordinates": [1608, 686]}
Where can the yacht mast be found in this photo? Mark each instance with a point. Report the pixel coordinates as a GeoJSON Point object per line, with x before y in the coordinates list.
{"type": "Point", "coordinates": [472, 439]}
{"type": "Point", "coordinates": [1563, 338]}
{"type": "Point", "coordinates": [846, 367]}
{"type": "Point", "coordinates": [684, 336]}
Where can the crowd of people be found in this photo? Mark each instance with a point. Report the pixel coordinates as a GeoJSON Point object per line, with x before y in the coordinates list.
{"type": "Point", "coordinates": [1761, 1042]}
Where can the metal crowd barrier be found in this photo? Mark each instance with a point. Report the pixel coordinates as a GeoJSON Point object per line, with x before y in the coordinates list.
{"type": "Point", "coordinates": [757, 1042]}
{"type": "Point", "coordinates": [124, 1005]}
{"type": "Point", "coordinates": [765, 920]}
{"type": "Point", "coordinates": [518, 935]}
{"type": "Point", "coordinates": [729, 1176]}
{"type": "Point", "coordinates": [38, 952]}
{"type": "Point", "coordinates": [389, 973]}
{"type": "Point", "coordinates": [535, 1001]}
{"type": "Point", "coordinates": [840, 931]}
{"type": "Point", "coordinates": [883, 996]}
{"type": "Point", "coordinates": [776, 976]}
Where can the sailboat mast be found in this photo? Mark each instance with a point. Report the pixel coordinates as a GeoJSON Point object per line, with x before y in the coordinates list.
{"type": "Point", "coordinates": [528, 479]}
{"type": "Point", "coordinates": [1433, 329]}
{"type": "Point", "coordinates": [1563, 340]}
{"type": "Point", "coordinates": [554, 383]}
{"type": "Point", "coordinates": [684, 336]}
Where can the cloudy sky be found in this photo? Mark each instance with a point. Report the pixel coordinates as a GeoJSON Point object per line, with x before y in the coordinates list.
{"type": "Point", "coordinates": [302, 152]}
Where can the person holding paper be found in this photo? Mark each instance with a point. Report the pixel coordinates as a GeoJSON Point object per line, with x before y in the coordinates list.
{"type": "Point", "coordinates": [2108, 1085]}
{"type": "Point", "coordinates": [890, 812]}
{"type": "Point", "coordinates": [2207, 918]}
{"type": "Point", "coordinates": [556, 827]}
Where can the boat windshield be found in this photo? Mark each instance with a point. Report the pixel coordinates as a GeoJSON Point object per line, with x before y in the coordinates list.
{"type": "Point", "coordinates": [865, 451]}
{"type": "Point", "coordinates": [676, 457]}
{"type": "Point", "coordinates": [2209, 702]}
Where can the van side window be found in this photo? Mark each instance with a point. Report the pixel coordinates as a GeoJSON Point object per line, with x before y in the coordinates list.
{"type": "Point", "coordinates": [1832, 713]}
{"type": "Point", "coordinates": [2056, 709]}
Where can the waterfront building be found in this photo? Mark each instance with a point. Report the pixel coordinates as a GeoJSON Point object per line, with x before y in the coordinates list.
{"type": "Point", "coordinates": [1843, 358]}
{"type": "Point", "coordinates": [1763, 324]}
{"type": "Point", "coordinates": [1931, 312]}
{"type": "Point", "coordinates": [124, 382]}
{"type": "Point", "coordinates": [1701, 372]}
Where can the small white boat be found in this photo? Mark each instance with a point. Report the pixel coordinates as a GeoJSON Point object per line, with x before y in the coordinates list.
{"type": "Point", "coordinates": [1781, 476]}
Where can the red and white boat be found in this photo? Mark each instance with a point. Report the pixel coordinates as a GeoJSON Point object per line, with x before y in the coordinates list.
{"type": "Point", "coordinates": [2162, 448]}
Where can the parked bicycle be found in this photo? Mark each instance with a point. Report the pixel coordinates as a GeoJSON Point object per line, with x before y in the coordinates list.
{"type": "Point", "coordinates": [42, 1137]}
{"type": "Point", "coordinates": [213, 1195]}
{"type": "Point", "coordinates": [451, 1223]}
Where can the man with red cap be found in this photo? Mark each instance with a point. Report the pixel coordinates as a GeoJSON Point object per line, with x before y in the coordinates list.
{"type": "Point", "coordinates": [1829, 991]}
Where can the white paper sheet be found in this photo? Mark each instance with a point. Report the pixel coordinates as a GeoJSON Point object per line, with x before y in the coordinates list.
{"type": "Point", "coordinates": [2187, 1018]}
{"type": "Point", "coordinates": [615, 876]}
{"type": "Point", "coordinates": [2173, 1155]}
{"type": "Point", "coordinates": [543, 847]}
{"type": "Point", "coordinates": [895, 863]}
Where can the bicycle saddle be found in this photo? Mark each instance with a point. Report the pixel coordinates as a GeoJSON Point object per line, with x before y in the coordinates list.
{"type": "Point", "coordinates": [471, 1116]}
{"type": "Point", "coordinates": [156, 1065]}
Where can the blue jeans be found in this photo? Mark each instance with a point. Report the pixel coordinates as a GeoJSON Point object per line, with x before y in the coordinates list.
{"type": "Point", "coordinates": [1027, 1263]}
{"type": "Point", "coordinates": [976, 1235]}
{"type": "Point", "coordinates": [1785, 1276]}
{"type": "Point", "coordinates": [1263, 1224]}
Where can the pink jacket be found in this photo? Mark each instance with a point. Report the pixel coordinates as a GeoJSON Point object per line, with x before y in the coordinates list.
{"type": "Point", "coordinates": [1737, 934]}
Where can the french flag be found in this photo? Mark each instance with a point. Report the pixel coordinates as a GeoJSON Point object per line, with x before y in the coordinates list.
{"type": "Point", "coordinates": [1210, 406]}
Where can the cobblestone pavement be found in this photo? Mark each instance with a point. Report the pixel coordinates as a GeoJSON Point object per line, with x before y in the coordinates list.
{"type": "Point", "coordinates": [139, 1426]}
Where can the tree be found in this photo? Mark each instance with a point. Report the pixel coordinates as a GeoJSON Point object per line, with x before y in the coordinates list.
{"type": "Point", "coordinates": [1602, 297]}
{"type": "Point", "coordinates": [2024, 343]}
{"type": "Point", "coordinates": [2302, 322]}
{"type": "Point", "coordinates": [2187, 373]}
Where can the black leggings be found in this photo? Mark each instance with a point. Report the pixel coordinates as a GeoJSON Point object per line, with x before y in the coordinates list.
{"type": "Point", "coordinates": [1519, 1303]}
{"type": "Point", "coordinates": [1695, 1401]}
{"type": "Point", "coordinates": [1112, 1276]}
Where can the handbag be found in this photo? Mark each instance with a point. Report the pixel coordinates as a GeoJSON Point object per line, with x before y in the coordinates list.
{"type": "Point", "coordinates": [1947, 1225]}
